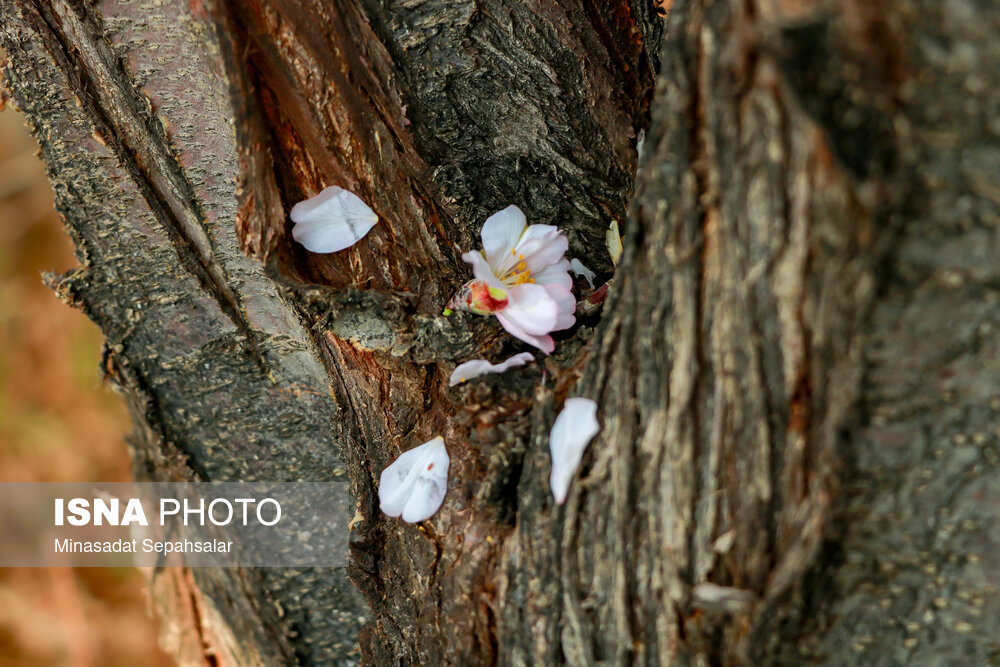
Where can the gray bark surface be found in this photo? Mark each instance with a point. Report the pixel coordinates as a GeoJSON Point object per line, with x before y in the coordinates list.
{"type": "Point", "coordinates": [797, 367]}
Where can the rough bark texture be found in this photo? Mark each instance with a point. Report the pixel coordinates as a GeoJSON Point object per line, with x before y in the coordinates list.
{"type": "Point", "coordinates": [796, 367]}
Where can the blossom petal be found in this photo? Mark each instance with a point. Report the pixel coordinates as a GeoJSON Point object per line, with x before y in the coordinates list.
{"type": "Point", "coordinates": [577, 267]}
{"type": "Point", "coordinates": [531, 308]}
{"type": "Point", "coordinates": [500, 233]}
{"type": "Point", "coordinates": [542, 246]}
{"type": "Point", "coordinates": [413, 486]}
{"type": "Point", "coordinates": [565, 304]}
{"type": "Point", "coordinates": [573, 430]}
{"type": "Point", "coordinates": [535, 235]}
{"type": "Point", "coordinates": [481, 269]}
{"type": "Point", "coordinates": [332, 220]}
{"type": "Point", "coordinates": [554, 274]}
{"type": "Point", "coordinates": [543, 343]}
{"type": "Point", "coordinates": [477, 367]}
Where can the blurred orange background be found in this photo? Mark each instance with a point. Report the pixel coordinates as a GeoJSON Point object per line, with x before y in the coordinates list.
{"type": "Point", "coordinates": [58, 422]}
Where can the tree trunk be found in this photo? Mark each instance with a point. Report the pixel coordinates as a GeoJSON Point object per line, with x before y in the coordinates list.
{"type": "Point", "coordinates": [796, 367]}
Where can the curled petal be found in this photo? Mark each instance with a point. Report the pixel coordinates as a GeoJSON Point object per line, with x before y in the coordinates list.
{"type": "Point", "coordinates": [577, 267]}
{"type": "Point", "coordinates": [573, 430]}
{"type": "Point", "coordinates": [564, 321]}
{"type": "Point", "coordinates": [541, 246]}
{"type": "Point", "coordinates": [531, 308]}
{"type": "Point", "coordinates": [557, 274]}
{"type": "Point", "coordinates": [332, 220]}
{"type": "Point", "coordinates": [501, 232]}
{"type": "Point", "coordinates": [477, 367]}
{"type": "Point", "coordinates": [481, 269]}
{"type": "Point", "coordinates": [543, 343]}
{"type": "Point", "coordinates": [413, 486]}
{"type": "Point", "coordinates": [565, 306]}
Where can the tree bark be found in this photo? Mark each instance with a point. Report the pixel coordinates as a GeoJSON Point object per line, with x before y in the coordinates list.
{"type": "Point", "coordinates": [796, 367]}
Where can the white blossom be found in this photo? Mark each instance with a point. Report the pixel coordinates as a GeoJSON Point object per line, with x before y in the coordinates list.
{"type": "Point", "coordinates": [522, 277]}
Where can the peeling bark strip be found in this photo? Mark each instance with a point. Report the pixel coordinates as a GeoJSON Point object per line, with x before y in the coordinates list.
{"type": "Point", "coordinates": [797, 461]}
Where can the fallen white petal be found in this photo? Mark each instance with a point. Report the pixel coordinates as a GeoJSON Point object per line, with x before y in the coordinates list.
{"type": "Point", "coordinates": [577, 267]}
{"type": "Point", "coordinates": [332, 220]}
{"type": "Point", "coordinates": [477, 367]}
{"type": "Point", "coordinates": [413, 486]}
{"type": "Point", "coordinates": [575, 426]}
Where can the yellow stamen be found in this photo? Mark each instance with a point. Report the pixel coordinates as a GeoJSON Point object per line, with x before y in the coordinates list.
{"type": "Point", "coordinates": [519, 273]}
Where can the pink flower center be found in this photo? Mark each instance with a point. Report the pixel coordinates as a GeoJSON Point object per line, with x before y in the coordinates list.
{"type": "Point", "coordinates": [485, 299]}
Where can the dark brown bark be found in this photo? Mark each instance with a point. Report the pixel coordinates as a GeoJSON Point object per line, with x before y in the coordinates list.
{"type": "Point", "coordinates": [796, 367]}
